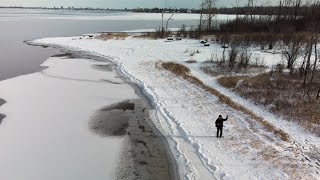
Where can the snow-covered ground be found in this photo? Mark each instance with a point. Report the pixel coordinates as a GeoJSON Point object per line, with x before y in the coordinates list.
{"type": "Point", "coordinates": [46, 133]}
{"type": "Point", "coordinates": [185, 114]}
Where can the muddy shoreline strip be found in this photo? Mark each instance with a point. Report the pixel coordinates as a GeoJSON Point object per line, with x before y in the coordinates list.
{"type": "Point", "coordinates": [142, 155]}
{"type": "Point", "coordinates": [172, 163]}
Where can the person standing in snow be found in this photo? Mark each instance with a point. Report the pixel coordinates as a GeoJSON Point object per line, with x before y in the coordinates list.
{"type": "Point", "coordinates": [219, 125]}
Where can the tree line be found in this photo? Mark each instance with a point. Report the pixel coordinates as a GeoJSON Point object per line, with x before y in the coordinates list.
{"type": "Point", "coordinates": [291, 26]}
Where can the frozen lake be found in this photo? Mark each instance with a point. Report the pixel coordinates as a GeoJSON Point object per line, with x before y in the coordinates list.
{"type": "Point", "coordinates": [46, 132]}
{"type": "Point", "coordinates": [18, 25]}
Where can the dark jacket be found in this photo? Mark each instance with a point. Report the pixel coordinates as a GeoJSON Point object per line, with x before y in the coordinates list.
{"type": "Point", "coordinates": [219, 122]}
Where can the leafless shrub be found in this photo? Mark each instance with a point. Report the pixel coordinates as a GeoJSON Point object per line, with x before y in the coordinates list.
{"type": "Point", "coordinates": [233, 54]}
{"type": "Point", "coordinates": [258, 62]}
{"type": "Point", "coordinates": [292, 48]}
{"type": "Point", "coordinates": [244, 59]}
{"type": "Point", "coordinates": [213, 58]}
{"type": "Point", "coordinates": [183, 31]}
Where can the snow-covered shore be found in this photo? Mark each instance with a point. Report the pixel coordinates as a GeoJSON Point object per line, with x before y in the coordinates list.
{"type": "Point", "coordinates": [185, 114]}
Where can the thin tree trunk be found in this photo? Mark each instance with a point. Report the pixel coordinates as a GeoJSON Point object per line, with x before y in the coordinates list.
{"type": "Point", "coordinates": [168, 23]}
{"type": "Point", "coordinates": [200, 23]}
{"type": "Point", "coordinates": [314, 67]}
{"type": "Point", "coordinates": [306, 72]}
{"type": "Point", "coordinates": [314, 64]}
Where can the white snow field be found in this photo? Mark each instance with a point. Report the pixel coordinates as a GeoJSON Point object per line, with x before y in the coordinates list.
{"type": "Point", "coordinates": [46, 134]}
{"type": "Point", "coordinates": [185, 114]}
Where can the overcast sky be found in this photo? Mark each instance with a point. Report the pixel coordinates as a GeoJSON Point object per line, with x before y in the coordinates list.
{"type": "Point", "coordinates": [122, 3]}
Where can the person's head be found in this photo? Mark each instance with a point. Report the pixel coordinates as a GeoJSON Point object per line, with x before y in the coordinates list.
{"type": "Point", "coordinates": [220, 116]}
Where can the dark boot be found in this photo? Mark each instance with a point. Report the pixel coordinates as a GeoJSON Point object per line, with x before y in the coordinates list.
{"type": "Point", "coordinates": [220, 132]}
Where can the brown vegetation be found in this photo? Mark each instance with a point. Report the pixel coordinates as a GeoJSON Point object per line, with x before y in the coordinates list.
{"type": "Point", "coordinates": [231, 81]}
{"type": "Point", "coordinates": [184, 72]}
{"type": "Point", "coordinates": [177, 69]}
{"type": "Point", "coordinates": [147, 35]}
{"type": "Point", "coordinates": [108, 36]}
{"type": "Point", "coordinates": [282, 94]}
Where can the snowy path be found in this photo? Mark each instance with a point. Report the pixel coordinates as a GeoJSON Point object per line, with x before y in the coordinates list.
{"type": "Point", "coordinates": [185, 114]}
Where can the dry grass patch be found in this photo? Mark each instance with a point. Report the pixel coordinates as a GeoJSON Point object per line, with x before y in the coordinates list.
{"type": "Point", "coordinates": [184, 72]}
{"type": "Point", "coordinates": [231, 81]}
{"type": "Point", "coordinates": [146, 35]}
{"type": "Point", "coordinates": [211, 71]}
{"type": "Point", "coordinates": [108, 36]}
{"type": "Point", "coordinates": [175, 68]}
{"type": "Point", "coordinates": [283, 94]}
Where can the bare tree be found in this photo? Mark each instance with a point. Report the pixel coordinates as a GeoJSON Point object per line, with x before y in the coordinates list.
{"type": "Point", "coordinates": [167, 23]}
{"type": "Point", "coordinates": [306, 65]}
{"type": "Point", "coordinates": [225, 41]}
{"type": "Point", "coordinates": [233, 54]}
{"type": "Point", "coordinates": [206, 15]}
{"type": "Point", "coordinates": [297, 5]}
{"type": "Point", "coordinates": [201, 17]}
{"type": "Point", "coordinates": [280, 10]}
{"type": "Point", "coordinates": [292, 49]}
{"type": "Point", "coordinates": [209, 13]}
{"type": "Point", "coordinates": [251, 7]}
{"type": "Point", "coordinates": [314, 66]}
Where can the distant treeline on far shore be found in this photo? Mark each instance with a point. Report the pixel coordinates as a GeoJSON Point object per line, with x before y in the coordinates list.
{"type": "Point", "coordinates": [256, 10]}
{"type": "Point", "coordinates": [300, 10]}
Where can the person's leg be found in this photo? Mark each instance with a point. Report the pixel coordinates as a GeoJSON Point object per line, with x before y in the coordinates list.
{"type": "Point", "coordinates": [221, 132]}
{"type": "Point", "coordinates": [217, 132]}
